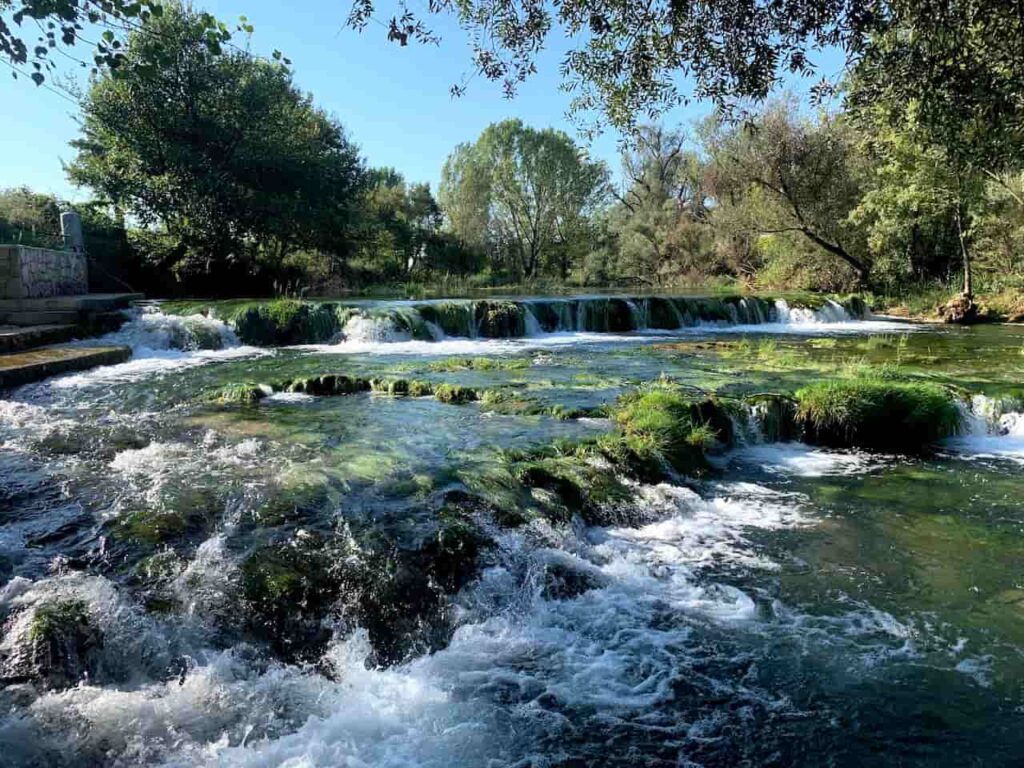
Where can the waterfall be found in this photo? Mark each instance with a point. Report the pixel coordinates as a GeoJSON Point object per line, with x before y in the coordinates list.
{"type": "Point", "coordinates": [149, 330]}
{"type": "Point", "coordinates": [367, 328]}
{"type": "Point", "coordinates": [533, 327]}
{"type": "Point", "coordinates": [381, 322]}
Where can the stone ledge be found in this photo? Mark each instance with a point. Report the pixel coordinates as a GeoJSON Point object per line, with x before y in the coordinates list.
{"type": "Point", "coordinates": [27, 367]}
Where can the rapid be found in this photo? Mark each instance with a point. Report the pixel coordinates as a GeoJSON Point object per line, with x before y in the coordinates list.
{"type": "Point", "coordinates": [336, 581]}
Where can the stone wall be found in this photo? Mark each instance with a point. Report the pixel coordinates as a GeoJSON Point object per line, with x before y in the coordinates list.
{"type": "Point", "coordinates": [32, 273]}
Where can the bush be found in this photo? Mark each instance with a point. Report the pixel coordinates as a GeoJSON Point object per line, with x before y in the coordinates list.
{"type": "Point", "coordinates": [877, 415]}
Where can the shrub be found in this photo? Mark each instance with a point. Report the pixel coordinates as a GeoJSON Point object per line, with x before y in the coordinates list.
{"type": "Point", "coordinates": [876, 414]}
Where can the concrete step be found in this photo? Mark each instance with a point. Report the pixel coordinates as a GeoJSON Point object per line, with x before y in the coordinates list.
{"type": "Point", "coordinates": [89, 302]}
{"type": "Point", "coordinates": [40, 317]}
{"type": "Point", "coordinates": [19, 338]}
{"type": "Point", "coordinates": [26, 367]}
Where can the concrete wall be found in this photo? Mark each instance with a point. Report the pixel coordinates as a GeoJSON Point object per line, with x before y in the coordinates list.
{"type": "Point", "coordinates": [31, 273]}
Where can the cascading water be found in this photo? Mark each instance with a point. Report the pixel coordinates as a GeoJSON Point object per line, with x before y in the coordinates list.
{"type": "Point", "coordinates": [363, 580]}
{"type": "Point", "coordinates": [149, 331]}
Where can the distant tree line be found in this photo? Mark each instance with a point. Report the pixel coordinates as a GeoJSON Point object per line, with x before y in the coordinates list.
{"type": "Point", "coordinates": [224, 178]}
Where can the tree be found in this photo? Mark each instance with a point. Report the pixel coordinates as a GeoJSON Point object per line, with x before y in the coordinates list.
{"type": "Point", "coordinates": [403, 221]}
{"type": "Point", "coordinates": [65, 23]}
{"type": "Point", "coordinates": [522, 192]}
{"type": "Point", "coordinates": [660, 222]}
{"type": "Point", "coordinates": [628, 59]}
{"type": "Point", "coordinates": [219, 149]}
{"type": "Point", "coordinates": [946, 79]}
{"type": "Point", "coordinates": [782, 174]}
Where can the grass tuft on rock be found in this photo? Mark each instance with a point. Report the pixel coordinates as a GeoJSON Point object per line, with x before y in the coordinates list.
{"type": "Point", "coordinates": [662, 424]}
{"type": "Point", "coordinates": [877, 414]}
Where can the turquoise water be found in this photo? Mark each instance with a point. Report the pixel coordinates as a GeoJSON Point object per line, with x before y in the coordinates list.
{"type": "Point", "coordinates": [797, 606]}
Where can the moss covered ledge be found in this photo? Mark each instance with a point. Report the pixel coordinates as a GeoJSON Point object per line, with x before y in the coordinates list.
{"type": "Point", "coordinates": [877, 414]}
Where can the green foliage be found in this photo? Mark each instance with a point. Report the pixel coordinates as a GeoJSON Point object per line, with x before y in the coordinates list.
{"type": "Point", "coordinates": [662, 424]}
{"type": "Point", "coordinates": [791, 177]}
{"type": "Point", "coordinates": [522, 195]}
{"type": "Point", "coordinates": [219, 150]}
{"type": "Point", "coordinates": [455, 394]}
{"type": "Point", "coordinates": [877, 414]}
{"type": "Point", "coordinates": [659, 224]}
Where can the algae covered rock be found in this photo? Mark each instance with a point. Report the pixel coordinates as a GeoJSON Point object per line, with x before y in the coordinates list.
{"type": "Point", "coordinates": [455, 394]}
{"type": "Point", "coordinates": [328, 384]}
{"type": "Point", "coordinates": [500, 319]}
{"type": "Point", "coordinates": [877, 415]}
{"type": "Point", "coordinates": [283, 322]}
{"type": "Point", "coordinates": [54, 644]}
{"type": "Point", "coordinates": [242, 394]}
{"type": "Point", "coordinates": [289, 589]}
{"type": "Point", "coordinates": [663, 424]}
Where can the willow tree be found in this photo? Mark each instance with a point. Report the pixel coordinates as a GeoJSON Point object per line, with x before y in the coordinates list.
{"type": "Point", "coordinates": [524, 192]}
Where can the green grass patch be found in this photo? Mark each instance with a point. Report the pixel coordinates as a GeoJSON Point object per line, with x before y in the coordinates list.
{"type": "Point", "coordinates": [877, 414]}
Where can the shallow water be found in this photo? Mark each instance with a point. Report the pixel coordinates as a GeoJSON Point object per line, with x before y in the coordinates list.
{"type": "Point", "coordinates": [801, 606]}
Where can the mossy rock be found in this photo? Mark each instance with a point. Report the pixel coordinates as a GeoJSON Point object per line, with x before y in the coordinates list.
{"type": "Point", "coordinates": [283, 322]}
{"type": "Point", "coordinates": [328, 385]}
{"type": "Point", "coordinates": [662, 423]}
{"type": "Point", "coordinates": [877, 415]}
{"type": "Point", "coordinates": [242, 394]}
{"type": "Point", "coordinates": [500, 319]}
{"type": "Point", "coordinates": [288, 591]}
{"type": "Point", "coordinates": [56, 645]}
{"type": "Point", "coordinates": [455, 394]}
{"type": "Point", "coordinates": [152, 527]}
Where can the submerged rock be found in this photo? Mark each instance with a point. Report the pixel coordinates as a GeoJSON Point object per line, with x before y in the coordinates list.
{"type": "Point", "coordinates": [54, 644]}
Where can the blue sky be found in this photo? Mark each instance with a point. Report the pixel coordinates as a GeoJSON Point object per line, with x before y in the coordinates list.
{"type": "Point", "coordinates": [394, 101]}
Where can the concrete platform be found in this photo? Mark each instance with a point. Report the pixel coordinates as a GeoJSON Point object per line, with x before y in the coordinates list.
{"type": "Point", "coordinates": [18, 338]}
{"type": "Point", "coordinates": [38, 364]}
{"type": "Point", "coordinates": [62, 310]}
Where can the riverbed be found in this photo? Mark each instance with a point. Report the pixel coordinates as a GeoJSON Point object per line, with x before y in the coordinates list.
{"type": "Point", "coordinates": [303, 580]}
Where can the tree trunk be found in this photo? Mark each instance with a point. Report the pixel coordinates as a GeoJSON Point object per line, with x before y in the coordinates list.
{"type": "Point", "coordinates": [965, 254]}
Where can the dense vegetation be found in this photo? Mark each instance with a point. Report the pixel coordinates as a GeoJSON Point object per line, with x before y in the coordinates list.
{"type": "Point", "coordinates": [231, 181]}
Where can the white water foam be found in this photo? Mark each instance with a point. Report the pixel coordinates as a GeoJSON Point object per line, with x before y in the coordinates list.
{"type": "Point", "coordinates": [509, 684]}
{"type": "Point", "coordinates": [994, 430]}
{"type": "Point", "coordinates": [161, 343]}
{"type": "Point", "coordinates": [803, 460]}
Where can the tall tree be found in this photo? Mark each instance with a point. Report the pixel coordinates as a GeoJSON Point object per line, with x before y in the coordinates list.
{"type": "Point", "coordinates": [948, 77]}
{"type": "Point", "coordinates": [522, 190]}
{"type": "Point", "coordinates": [220, 149]}
{"type": "Point", "coordinates": [659, 222]}
{"type": "Point", "coordinates": [800, 177]}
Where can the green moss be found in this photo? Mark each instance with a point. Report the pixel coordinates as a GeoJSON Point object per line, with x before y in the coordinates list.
{"type": "Point", "coordinates": [53, 618]}
{"type": "Point", "coordinates": [500, 319]}
{"type": "Point", "coordinates": [328, 384]}
{"type": "Point", "coordinates": [663, 424]}
{"type": "Point", "coordinates": [455, 394]}
{"type": "Point", "coordinates": [479, 364]}
{"type": "Point", "coordinates": [287, 321]}
{"type": "Point", "coordinates": [289, 588]}
{"type": "Point", "coordinates": [876, 414]}
{"type": "Point", "coordinates": [242, 394]}
{"type": "Point", "coordinates": [418, 388]}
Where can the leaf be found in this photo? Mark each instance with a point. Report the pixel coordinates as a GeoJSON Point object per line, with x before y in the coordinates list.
{"type": "Point", "coordinates": [37, 78]}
